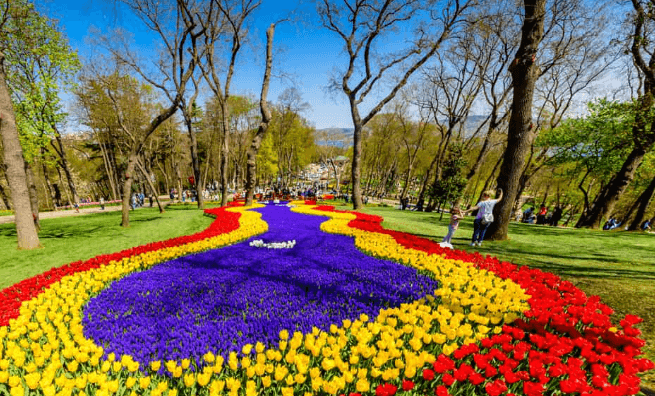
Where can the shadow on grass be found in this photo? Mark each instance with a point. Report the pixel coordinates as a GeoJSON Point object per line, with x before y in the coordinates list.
{"type": "Point", "coordinates": [519, 256]}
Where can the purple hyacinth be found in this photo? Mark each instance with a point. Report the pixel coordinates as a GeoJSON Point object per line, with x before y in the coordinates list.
{"type": "Point", "coordinates": [222, 299]}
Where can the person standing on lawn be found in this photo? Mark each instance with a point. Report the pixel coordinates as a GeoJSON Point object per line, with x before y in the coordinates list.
{"type": "Point", "coordinates": [454, 224]}
{"type": "Point", "coordinates": [485, 215]}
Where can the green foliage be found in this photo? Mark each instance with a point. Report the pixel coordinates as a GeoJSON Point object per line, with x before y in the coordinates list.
{"type": "Point", "coordinates": [598, 143]}
{"type": "Point", "coordinates": [293, 140]}
{"type": "Point", "coordinates": [40, 63]}
{"type": "Point", "coordinates": [452, 183]}
{"type": "Point", "coordinates": [267, 161]}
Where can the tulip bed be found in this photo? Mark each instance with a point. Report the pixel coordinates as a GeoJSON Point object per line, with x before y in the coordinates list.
{"type": "Point", "coordinates": [179, 317]}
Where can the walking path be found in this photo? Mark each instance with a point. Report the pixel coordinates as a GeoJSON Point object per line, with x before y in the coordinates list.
{"type": "Point", "coordinates": [82, 212]}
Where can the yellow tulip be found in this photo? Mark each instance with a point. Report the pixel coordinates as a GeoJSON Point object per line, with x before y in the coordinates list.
{"type": "Point", "coordinates": [189, 380]}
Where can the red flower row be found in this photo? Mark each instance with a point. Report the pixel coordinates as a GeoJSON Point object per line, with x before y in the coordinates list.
{"type": "Point", "coordinates": [565, 343]}
{"type": "Point", "coordinates": [12, 297]}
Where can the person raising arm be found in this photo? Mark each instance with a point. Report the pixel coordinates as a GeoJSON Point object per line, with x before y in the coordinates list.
{"type": "Point", "coordinates": [485, 216]}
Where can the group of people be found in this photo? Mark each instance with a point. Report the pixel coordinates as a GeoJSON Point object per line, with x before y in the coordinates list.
{"type": "Point", "coordinates": [138, 200]}
{"type": "Point", "coordinates": [483, 218]}
{"type": "Point", "coordinates": [611, 224]}
{"type": "Point", "coordinates": [542, 217]}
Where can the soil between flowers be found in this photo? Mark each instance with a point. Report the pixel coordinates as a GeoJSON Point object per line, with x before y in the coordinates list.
{"type": "Point", "coordinates": [224, 298]}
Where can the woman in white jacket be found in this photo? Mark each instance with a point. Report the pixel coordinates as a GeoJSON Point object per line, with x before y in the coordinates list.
{"type": "Point", "coordinates": [485, 217]}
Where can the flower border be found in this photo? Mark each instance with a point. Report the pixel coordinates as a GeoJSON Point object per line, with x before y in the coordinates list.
{"type": "Point", "coordinates": [557, 340]}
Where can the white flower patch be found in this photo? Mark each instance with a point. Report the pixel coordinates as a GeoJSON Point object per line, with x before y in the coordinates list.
{"type": "Point", "coordinates": [273, 245]}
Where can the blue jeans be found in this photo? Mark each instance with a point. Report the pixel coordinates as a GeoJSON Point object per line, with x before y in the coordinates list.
{"type": "Point", "coordinates": [449, 236]}
{"type": "Point", "coordinates": [478, 230]}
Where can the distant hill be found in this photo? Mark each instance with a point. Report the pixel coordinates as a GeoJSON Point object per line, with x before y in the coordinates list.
{"type": "Point", "coordinates": [340, 135]}
{"type": "Point", "coordinates": [338, 131]}
{"type": "Point", "coordinates": [335, 136]}
{"type": "Point", "coordinates": [471, 124]}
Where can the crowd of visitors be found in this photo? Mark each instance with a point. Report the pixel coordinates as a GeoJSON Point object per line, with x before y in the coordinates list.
{"type": "Point", "coordinates": [543, 217]}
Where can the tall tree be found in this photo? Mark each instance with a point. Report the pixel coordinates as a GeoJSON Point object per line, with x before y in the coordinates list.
{"type": "Point", "coordinates": [251, 175]}
{"type": "Point", "coordinates": [224, 18]}
{"type": "Point", "coordinates": [36, 73]}
{"type": "Point", "coordinates": [643, 131]}
{"type": "Point", "coordinates": [177, 29]}
{"type": "Point", "coordinates": [524, 72]}
{"type": "Point", "coordinates": [288, 124]}
{"type": "Point", "coordinates": [190, 110]}
{"type": "Point", "coordinates": [15, 21]}
{"type": "Point", "coordinates": [363, 25]}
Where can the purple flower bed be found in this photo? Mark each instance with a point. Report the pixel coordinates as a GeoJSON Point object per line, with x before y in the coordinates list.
{"type": "Point", "coordinates": [222, 299]}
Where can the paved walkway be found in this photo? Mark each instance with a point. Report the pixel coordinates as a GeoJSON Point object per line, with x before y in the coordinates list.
{"type": "Point", "coordinates": [82, 212]}
{"type": "Point", "coordinates": [64, 213]}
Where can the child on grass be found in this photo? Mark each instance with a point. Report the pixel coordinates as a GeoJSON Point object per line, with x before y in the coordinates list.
{"type": "Point", "coordinates": [456, 215]}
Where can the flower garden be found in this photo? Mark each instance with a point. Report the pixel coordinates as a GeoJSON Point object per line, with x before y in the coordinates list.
{"type": "Point", "coordinates": [308, 300]}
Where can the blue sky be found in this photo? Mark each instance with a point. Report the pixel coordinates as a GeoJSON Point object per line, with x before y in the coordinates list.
{"type": "Point", "coordinates": [304, 52]}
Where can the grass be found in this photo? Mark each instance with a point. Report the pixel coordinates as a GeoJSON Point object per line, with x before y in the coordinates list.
{"type": "Point", "coordinates": [618, 266]}
{"type": "Point", "coordinates": [68, 239]}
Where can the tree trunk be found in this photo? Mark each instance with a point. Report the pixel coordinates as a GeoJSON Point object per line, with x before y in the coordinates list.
{"type": "Point", "coordinates": [153, 190]}
{"type": "Point", "coordinates": [356, 171]}
{"type": "Point", "coordinates": [610, 193]}
{"type": "Point", "coordinates": [194, 158]}
{"type": "Point", "coordinates": [628, 215]}
{"type": "Point", "coordinates": [111, 154]}
{"type": "Point", "coordinates": [407, 181]}
{"type": "Point", "coordinates": [15, 168]}
{"type": "Point", "coordinates": [64, 165]}
{"type": "Point", "coordinates": [426, 181]}
{"type": "Point", "coordinates": [127, 188]}
{"type": "Point", "coordinates": [34, 195]}
{"type": "Point", "coordinates": [162, 169]}
{"type": "Point", "coordinates": [5, 199]}
{"type": "Point", "coordinates": [644, 201]}
{"type": "Point", "coordinates": [251, 163]}
{"type": "Point", "coordinates": [225, 149]}
{"type": "Point", "coordinates": [486, 146]}
{"type": "Point", "coordinates": [487, 182]}
{"type": "Point", "coordinates": [61, 183]}
{"type": "Point", "coordinates": [207, 162]}
{"type": "Point", "coordinates": [46, 183]}
{"type": "Point", "coordinates": [524, 73]}
{"type": "Point", "coordinates": [108, 169]}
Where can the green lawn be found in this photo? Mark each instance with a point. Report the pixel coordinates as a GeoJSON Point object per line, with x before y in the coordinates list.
{"type": "Point", "coordinates": [615, 265]}
{"type": "Point", "coordinates": [68, 239]}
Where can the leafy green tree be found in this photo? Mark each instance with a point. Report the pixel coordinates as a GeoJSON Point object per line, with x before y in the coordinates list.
{"type": "Point", "coordinates": [596, 145]}
{"type": "Point", "coordinates": [36, 74]}
{"type": "Point", "coordinates": [640, 46]}
{"type": "Point", "coordinates": [451, 185]}
{"type": "Point", "coordinates": [16, 17]}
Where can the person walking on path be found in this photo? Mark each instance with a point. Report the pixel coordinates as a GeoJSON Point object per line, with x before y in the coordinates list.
{"type": "Point", "coordinates": [454, 224]}
{"type": "Point", "coordinates": [102, 203]}
{"type": "Point", "coordinates": [484, 217]}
